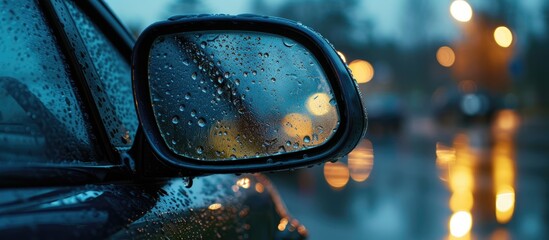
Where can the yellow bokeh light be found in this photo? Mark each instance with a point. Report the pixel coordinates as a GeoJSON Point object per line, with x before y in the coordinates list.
{"type": "Point", "coordinates": [461, 11]}
{"type": "Point", "coordinates": [505, 199]}
{"type": "Point", "coordinates": [215, 206]}
{"type": "Point", "coordinates": [319, 104]}
{"type": "Point", "coordinates": [297, 125]}
{"type": "Point", "coordinates": [446, 56]}
{"type": "Point", "coordinates": [282, 224]}
{"type": "Point", "coordinates": [362, 70]}
{"type": "Point", "coordinates": [243, 182]}
{"type": "Point", "coordinates": [460, 223]}
{"type": "Point", "coordinates": [507, 121]}
{"type": "Point", "coordinates": [503, 36]}
{"type": "Point", "coordinates": [342, 56]}
{"type": "Point", "coordinates": [461, 201]}
{"type": "Point", "coordinates": [361, 161]}
{"type": "Point", "coordinates": [505, 204]}
{"type": "Point", "coordinates": [461, 178]}
{"type": "Point", "coordinates": [336, 174]}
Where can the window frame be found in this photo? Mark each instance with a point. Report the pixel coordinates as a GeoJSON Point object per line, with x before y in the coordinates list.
{"type": "Point", "coordinates": [116, 166]}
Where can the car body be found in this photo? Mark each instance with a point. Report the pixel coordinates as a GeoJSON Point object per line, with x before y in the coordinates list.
{"type": "Point", "coordinates": [68, 126]}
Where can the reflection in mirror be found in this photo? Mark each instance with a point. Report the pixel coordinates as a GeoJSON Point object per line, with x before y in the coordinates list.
{"type": "Point", "coordinates": [225, 95]}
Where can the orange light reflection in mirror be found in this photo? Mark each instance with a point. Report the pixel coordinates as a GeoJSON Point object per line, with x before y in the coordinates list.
{"type": "Point", "coordinates": [319, 104]}
{"type": "Point", "coordinates": [446, 56]}
{"type": "Point", "coordinates": [361, 161]}
{"type": "Point", "coordinates": [362, 70]}
{"type": "Point", "coordinates": [336, 174]}
{"type": "Point", "coordinates": [297, 125]}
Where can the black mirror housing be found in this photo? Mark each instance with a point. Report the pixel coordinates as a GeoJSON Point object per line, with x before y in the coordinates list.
{"type": "Point", "coordinates": [352, 117]}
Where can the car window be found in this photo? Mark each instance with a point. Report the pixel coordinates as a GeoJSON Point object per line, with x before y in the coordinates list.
{"type": "Point", "coordinates": [113, 88]}
{"type": "Point", "coordinates": [41, 117]}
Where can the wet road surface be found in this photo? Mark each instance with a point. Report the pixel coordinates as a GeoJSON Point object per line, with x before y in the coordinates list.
{"type": "Point", "coordinates": [429, 181]}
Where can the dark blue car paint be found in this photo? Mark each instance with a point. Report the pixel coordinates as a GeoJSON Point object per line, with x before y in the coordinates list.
{"type": "Point", "coordinates": [217, 206]}
{"type": "Point", "coordinates": [43, 206]}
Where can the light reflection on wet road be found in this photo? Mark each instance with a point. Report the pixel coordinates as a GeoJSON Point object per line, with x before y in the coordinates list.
{"type": "Point", "coordinates": [444, 183]}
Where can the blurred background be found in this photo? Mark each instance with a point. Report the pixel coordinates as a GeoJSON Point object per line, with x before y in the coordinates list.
{"type": "Point", "coordinates": [457, 144]}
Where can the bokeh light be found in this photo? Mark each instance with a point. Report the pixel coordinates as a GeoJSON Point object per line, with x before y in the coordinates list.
{"type": "Point", "coordinates": [319, 104]}
{"type": "Point", "coordinates": [446, 56]}
{"type": "Point", "coordinates": [361, 161]}
{"type": "Point", "coordinates": [503, 36]}
{"type": "Point", "coordinates": [461, 11]}
{"type": "Point", "coordinates": [243, 182]}
{"type": "Point", "coordinates": [363, 71]}
{"type": "Point", "coordinates": [505, 204]}
{"type": "Point", "coordinates": [336, 174]}
{"type": "Point", "coordinates": [297, 125]}
{"type": "Point", "coordinates": [215, 206]}
{"type": "Point", "coordinates": [460, 223]}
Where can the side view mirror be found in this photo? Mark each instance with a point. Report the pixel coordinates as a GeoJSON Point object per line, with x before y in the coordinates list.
{"type": "Point", "coordinates": [233, 94]}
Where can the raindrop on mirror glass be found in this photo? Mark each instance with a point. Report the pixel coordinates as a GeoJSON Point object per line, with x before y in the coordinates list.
{"type": "Point", "coordinates": [226, 75]}
{"type": "Point", "coordinates": [181, 108]}
{"type": "Point", "coordinates": [187, 96]}
{"type": "Point", "coordinates": [201, 122]}
{"type": "Point", "coordinates": [281, 149]}
{"type": "Point", "coordinates": [193, 76]}
{"type": "Point", "coordinates": [175, 120]}
{"type": "Point", "coordinates": [333, 102]}
{"type": "Point", "coordinates": [288, 143]}
{"type": "Point", "coordinates": [307, 139]}
{"type": "Point", "coordinates": [193, 113]}
{"type": "Point", "coordinates": [273, 79]}
{"type": "Point", "coordinates": [288, 42]}
{"type": "Point", "coordinates": [199, 150]}
{"type": "Point", "coordinates": [203, 44]}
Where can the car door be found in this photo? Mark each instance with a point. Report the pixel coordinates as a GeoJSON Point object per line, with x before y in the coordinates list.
{"type": "Point", "coordinates": [67, 122]}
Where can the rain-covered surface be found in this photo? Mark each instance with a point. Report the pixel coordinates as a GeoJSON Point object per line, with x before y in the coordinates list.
{"type": "Point", "coordinates": [114, 77]}
{"type": "Point", "coordinates": [216, 207]}
{"type": "Point", "coordinates": [457, 104]}
{"type": "Point", "coordinates": [39, 106]}
{"type": "Point", "coordinates": [233, 94]}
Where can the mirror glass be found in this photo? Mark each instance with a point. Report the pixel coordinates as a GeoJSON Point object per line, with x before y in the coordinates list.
{"type": "Point", "coordinates": [227, 95]}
